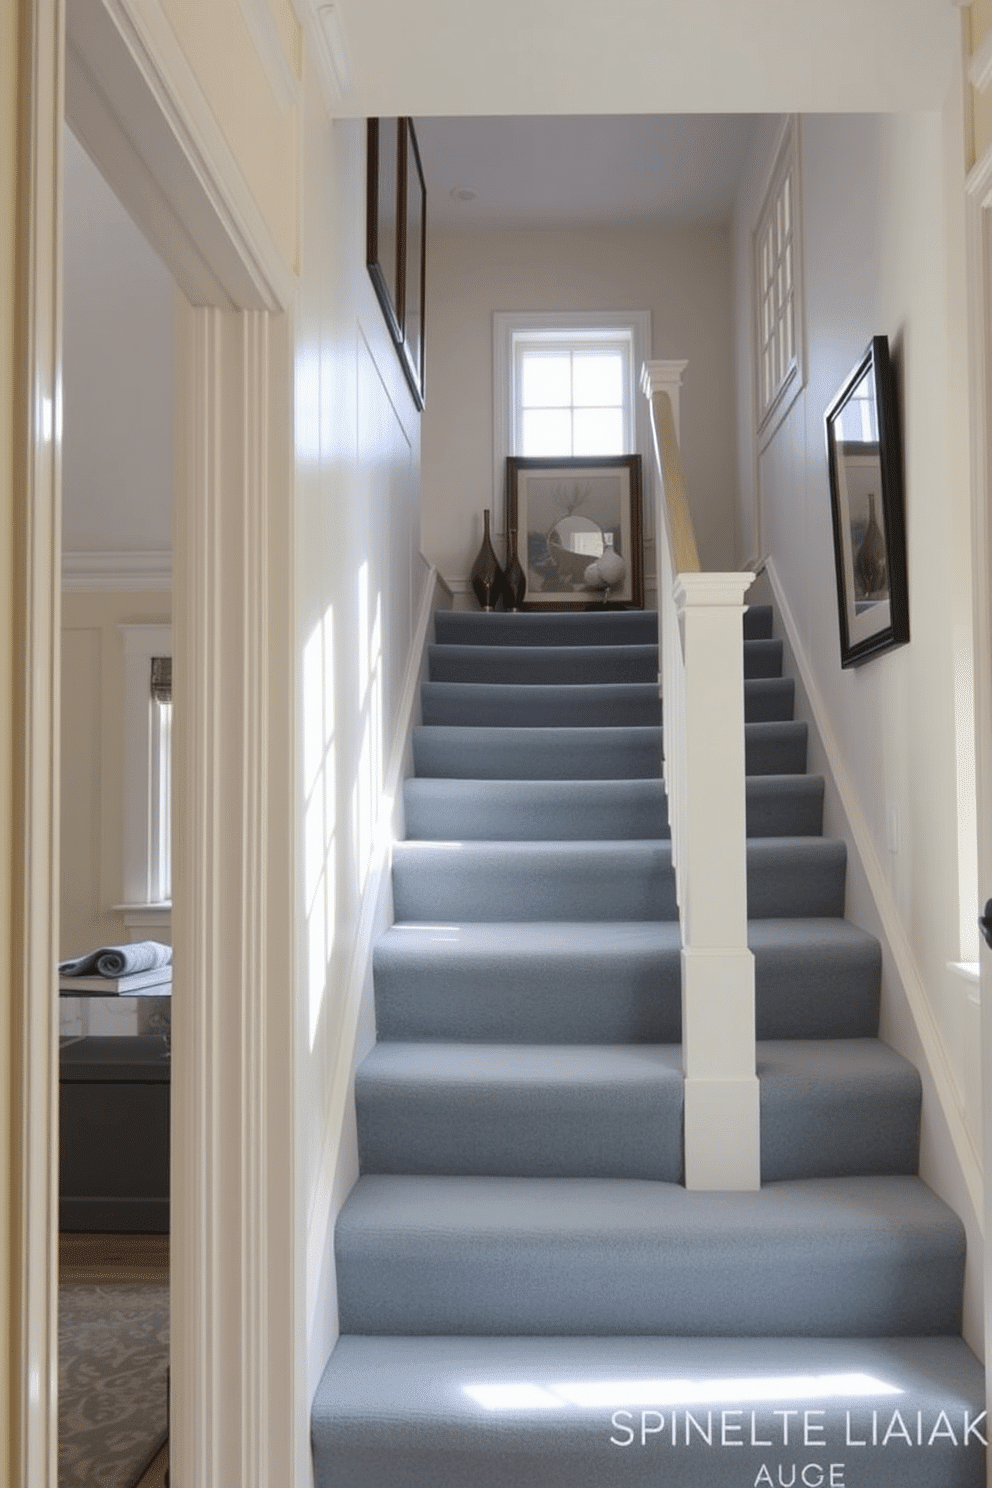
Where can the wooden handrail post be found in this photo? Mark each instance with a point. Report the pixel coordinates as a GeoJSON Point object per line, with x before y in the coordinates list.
{"type": "Point", "coordinates": [701, 642]}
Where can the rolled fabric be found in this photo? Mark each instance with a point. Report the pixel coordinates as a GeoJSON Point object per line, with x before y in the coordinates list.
{"type": "Point", "coordinates": [117, 961]}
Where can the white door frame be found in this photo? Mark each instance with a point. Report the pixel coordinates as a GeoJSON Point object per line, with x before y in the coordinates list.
{"type": "Point", "coordinates": [237, 1315]}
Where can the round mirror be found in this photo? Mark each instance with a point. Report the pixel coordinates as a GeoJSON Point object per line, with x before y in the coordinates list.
{"type": "Point", "coordinates": [578, 535]}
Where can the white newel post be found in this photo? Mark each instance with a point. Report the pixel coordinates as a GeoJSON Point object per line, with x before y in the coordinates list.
{"type": "Point", "coordinates": [701, 618]}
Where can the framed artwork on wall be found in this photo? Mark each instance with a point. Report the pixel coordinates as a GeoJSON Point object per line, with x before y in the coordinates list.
{"type": "Point", "coordinates": [382, 254]}
{"type": "Point", "coordinates": [864, 459]}
{"type": "Point", "coordinates": [396, 240]}
{"type": "Point", "coordinates": [578, 528]}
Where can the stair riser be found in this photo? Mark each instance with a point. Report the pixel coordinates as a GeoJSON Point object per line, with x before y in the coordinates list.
{"type": "Point", "coordinates": [528, 754]}
{"type": "Point", "coordinates": [612, 998]}
{"type": "Point", "coordinates": [474, 705]}
{"type": "Point", "coordinates": [512, 1257]}
{"type": "Point", "coordinates": [599, 881]}
{"type": "Point", "coordinates": [590, 1131]}
{"type": "Point", "coordinates": [606, 1115]}
{"type": "Point", "coordinates": [546, 811]}
{"type": "Point", "coordinates": [550, 665]}
{"type": "Point", "coordinates": [532, 665]}
{"type": "Point", "coordinates": [578, 628]}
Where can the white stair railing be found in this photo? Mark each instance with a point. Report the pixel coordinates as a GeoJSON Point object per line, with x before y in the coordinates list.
{"type": "Point", "coordinates": [702, 685]}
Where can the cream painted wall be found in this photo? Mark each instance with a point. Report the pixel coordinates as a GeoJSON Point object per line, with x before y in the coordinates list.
{"type": "Point", "coordinates": [220, 49]}
{"type": "Point", "coordinates": [883, 253]}
{"type": "Point", "coordinates": [359, 582]}
{"type": "Point", "coordinates": [682, 275]}
{"type": "Point", "coordinates": [93, 763]}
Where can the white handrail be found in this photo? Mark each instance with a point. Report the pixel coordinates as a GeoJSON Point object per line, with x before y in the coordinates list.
{"type": "Point", "coordinates": [702, 685]}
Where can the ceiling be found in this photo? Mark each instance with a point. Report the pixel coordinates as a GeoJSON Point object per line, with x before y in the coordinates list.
{"type": "Point", "coordinates": [637, 56]}
{"type": "Point", "coordinates": [583, 170]}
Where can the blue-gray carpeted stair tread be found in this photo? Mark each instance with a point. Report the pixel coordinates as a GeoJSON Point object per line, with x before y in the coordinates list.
{"type": "Point", "coordinates": [543, 665]}
{"type": "Point", "coordinates": [597, 880]}
{"type": "Point", "coordinates": [562, 810]}
{"type": "Point", "coordinates": [612, 982]}
{"type": "Point", "coordinates": [521, 1110]}
{"type": "Point", "coordinates": [629, 753]}
{"type": "Point", "coordinates": [562, 628]}
{"type": "Point", "coordinates": [575, 705]}
{"type": "Point", "coordinates": [837, 1108]}
{"type": "Point", "coordinates": [560, 1412]}
{"type": "Point", "coordinates": [842, 1257]}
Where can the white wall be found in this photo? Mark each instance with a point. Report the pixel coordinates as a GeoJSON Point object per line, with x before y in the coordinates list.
{"type": "Point", "coordinates": [882, 252]}
{"type": "Point", "coordinates": [360, 580]}
{"type": "Point", "coordinates": [118, 361]}
{"type": "Point", "coordinates": [682, 275]}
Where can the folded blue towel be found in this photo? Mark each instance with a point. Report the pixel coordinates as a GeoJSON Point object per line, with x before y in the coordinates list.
{"type": "Point", "coordinates": [117, 961]}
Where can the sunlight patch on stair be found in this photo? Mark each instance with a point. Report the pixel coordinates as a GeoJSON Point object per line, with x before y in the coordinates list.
{"type": "Point", "coordinates": [614, 1394]}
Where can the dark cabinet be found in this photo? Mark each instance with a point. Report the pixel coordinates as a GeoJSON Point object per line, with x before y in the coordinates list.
{"type": "Point", "coordinates": [114, 1134]}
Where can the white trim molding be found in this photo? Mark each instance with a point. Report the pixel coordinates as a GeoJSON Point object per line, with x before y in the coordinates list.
{"type": "Point", "coordinates": [324, 33]}
{"type": "Point", "coordinates": [108, 572]}
{"type": "Point", "coordinates": [784, 185]}
{"type": "Point", "coordinates": [135, 103]}
{"type": "Point", "coordinates": [30, 751]}
{"type": "Point", "coordinates": [237, 1306]}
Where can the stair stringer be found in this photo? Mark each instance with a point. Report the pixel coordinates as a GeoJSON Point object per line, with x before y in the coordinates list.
{"type": "Point", "coordinates": [949, 1161]}
{"type": "Point", "coordinates": [338, 1164]}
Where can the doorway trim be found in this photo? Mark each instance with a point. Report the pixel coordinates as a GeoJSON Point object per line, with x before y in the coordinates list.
{"type": "Point", "coordinates": [237, 1315]}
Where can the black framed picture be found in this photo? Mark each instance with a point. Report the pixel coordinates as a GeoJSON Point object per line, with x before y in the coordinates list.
{"type": "Point", "coordinates": [413, 273]}
{"type": "Point", "coordinates": [864, 459]}
{"type": "Point", "coordinates": [396, 240]}
{"type": "Point", "coordinates": [578, 526]}
{"type": "Point", "coordinates": [383, 240]}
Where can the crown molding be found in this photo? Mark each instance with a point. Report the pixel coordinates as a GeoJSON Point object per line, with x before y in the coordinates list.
{"type": "Point", "coordinates": [103, 572]}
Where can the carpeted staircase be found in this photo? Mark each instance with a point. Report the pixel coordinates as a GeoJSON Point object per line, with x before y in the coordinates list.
{"type": "Point", "coordinates": [528, 1296]}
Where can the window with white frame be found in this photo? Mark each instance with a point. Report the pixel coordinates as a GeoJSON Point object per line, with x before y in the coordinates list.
{"type": "Point", "coordinates": [147, 775]}
{"type": "Point", "coordinates": [566, 384]}
{"type": "Point", "coordinates": [778, 288]}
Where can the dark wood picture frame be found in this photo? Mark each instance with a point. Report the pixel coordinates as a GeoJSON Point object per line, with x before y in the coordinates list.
{"type": "Point", "coordinates": [605, 491]}
{"type": "Point", "coordinates": [413, 260]}
{"type": "Point", "coordinates": [864, 461]}
{"type": "Point", "coordinates": [382, 207]}
{"type": "Point", "coordinates": [396, 240]}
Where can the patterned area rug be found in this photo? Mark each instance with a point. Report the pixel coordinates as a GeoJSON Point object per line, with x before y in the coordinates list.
{"type": "Point", "coordinates": [113, 1355]}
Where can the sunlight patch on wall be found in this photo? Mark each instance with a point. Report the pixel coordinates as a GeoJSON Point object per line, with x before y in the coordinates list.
{"type": "Point", "coordinates": [368, 783]}
{"type": "Point", "coordinates": [318, 810]}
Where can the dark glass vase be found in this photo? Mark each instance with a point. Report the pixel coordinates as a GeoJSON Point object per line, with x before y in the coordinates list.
{"type": "Point", "coordinates": [487, 577]}
{"type": "Point", "coordinates": [516, 579]}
